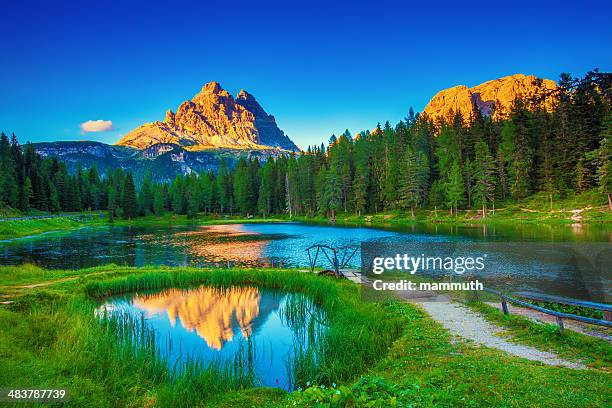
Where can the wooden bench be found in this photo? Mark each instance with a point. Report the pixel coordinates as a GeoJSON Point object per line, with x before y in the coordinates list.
{"type": "Point", "coordinates": [540, 297]}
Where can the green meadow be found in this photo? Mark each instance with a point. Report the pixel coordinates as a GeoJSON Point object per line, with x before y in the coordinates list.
{"type": "Point", "coordinates": [372, 354]}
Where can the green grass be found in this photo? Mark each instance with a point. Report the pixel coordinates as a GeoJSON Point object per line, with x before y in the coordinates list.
{"type": "Point", "coordinates": [569, 344]}
{"type": "Point", "coordinates": [53, 330]}
{"type": "Point", "coordinates": [24, 228]}
{"type": "Point", "coordinates": [9, 212]}
{"type": "Point", "coordinates": [533, 210]}
{"type": "Point", "coordinates": [202, 219]}
{"type": "Point", "coordinates": [376, 354]}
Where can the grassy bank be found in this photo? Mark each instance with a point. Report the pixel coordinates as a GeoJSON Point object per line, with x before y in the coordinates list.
{"type": "Point", "coordinates": [383, 354]}
{"type": "Point", "coordinates": [202, 219]}
{"type": "Point", "coordinates": [11, 229]}
{"type": "Point", "coordinates": [586, 208]}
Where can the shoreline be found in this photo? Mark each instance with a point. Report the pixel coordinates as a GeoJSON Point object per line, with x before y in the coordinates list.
{"type": "Point", "coordinates": [11, 229]}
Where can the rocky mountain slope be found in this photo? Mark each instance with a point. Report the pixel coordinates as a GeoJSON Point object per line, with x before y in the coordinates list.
{"type": "Point", "coordinates": [494, 98]}
{"type": "Point", "coordinates": [163, 160]}
{"type": "Point", "coordinates": [213, 119]}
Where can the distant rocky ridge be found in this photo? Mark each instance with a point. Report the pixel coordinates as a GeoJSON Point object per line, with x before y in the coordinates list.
{"type": "Point", "coordinates": [493, 98]}
{"type": "Point", "coordinates": [215, 126]}
{"type": "Point", "coordinates": [164, 161]}
{"type": "Point", "coordinates": [213, 119]}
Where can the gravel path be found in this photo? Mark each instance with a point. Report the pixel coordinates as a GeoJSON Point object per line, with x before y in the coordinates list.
{"type": "Point", "coordinates": [463, 322]}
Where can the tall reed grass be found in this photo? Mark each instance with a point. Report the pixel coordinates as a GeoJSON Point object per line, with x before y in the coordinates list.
{"type": "Point", "coordinates": [338, 336]}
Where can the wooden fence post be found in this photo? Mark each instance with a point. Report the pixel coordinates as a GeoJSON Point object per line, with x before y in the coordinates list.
{"type": "Point", "coordinates": [504, 306]}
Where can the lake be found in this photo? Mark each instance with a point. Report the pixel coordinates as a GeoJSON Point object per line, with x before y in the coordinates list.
{"type": "Point", "coordinates": [261, 244]}
{"type": "Point", "coordinates": [242, 327]}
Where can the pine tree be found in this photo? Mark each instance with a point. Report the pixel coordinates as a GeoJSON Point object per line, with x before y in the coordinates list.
{"type": "Point", "coordinates": [112, 197]}
{"type": "Point", "coordinates": [224, 188]}
{"type": "Point", "coordinates": [605, 161]}
{"type": "Point", "coordinates": [581, 175]}
{"type": "Point", "coordinates": [178, 196]}
{"type": "Point", "coordinates": [423, 174]}
{"type": "Point", "coordinates": [484, 176]}
{"type": "Point", "coordinates": [94, 188]}
{"type": "Point", "coordinates": [23, 200]}
{"type": "Point", "coordinates": [130, 203]}
{"type": "Point", "coordinates": [81, 192]}
{"type": "Point", "coordinates": [205, 185]}
{"type": "Point", "coordinates": [342, 160]}
{"type": "Point", "coordinates": [9, 191]}
{"type": "Point", "coordinates": [361, 184]}
{"type": "Point", "coordinates": [241, 187]}
{"type": "Point", "coordinates": [523, 152]}
{"type": "Point", "coordinates": [292, 186]}
{"type": "Point", "coordinates": [158, 201]}
{"type": "Point", "coordinates": [264, 203]}
{"type": "Point", "coordinates": [391, 168]}
{"type": "Point", "coordinates": [27, 194]}
{"type": "Point", "coordinates": [322, 199]}
{"type": "Point", "coordinates": [500, 161]}
{"type": "Point", "coordinates": [145, 197]}
{"type": "Point", "coordinates": [72, 198]}
{"type": "Point", "coordinates": [332, 191]}
{"type": "Point", "coordinates": [455, 188]}
{"type": "Point", "coordinates": [54, 201]}
{"type": "Point", "coordinates": [193, 202]}
{"type": "Point", "coordinates": [410, 189]}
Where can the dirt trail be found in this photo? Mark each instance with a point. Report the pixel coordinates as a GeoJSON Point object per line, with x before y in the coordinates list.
{"type": "Point", "coordinates": [15, 289]}
{"type": "Point", "coordinates": [465, 323]}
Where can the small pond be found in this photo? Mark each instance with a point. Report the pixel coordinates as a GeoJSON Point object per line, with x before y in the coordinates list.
{"type": "Point", "coordinates": [255, 328]}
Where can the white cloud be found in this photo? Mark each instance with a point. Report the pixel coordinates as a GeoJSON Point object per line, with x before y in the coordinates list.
{"type": "Point", "coordinates": [96, 126]}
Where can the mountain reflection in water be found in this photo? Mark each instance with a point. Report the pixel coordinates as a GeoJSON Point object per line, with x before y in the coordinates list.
{"type": "Point", "coordinates": [214, 314]}
{"type": "Point", "coordinates": [242, 325]}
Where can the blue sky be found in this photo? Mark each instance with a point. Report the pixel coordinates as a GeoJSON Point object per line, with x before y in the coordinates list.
{"type": "Point", "coordinates": [319, 67]}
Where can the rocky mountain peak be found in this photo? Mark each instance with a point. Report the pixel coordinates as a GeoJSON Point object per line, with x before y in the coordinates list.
{"type": "Point", "coordinates": [493, 98]}
{"type": "Point", "coordinates": [213, 118]}
{"type": "Point", "coordinates": [169, 117]}
{"type": "Point", "coordinates": [249, 102]}
{"type": "Point", "coordinates": [244, 95]}
{"type": "Point", "coordinates": [213, 93]}
{"type": "Point", "coordinates": [213, 87]}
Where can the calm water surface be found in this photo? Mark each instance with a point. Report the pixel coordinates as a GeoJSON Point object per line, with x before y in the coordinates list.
{"type": "Point", "coordinates": [209, 324]}
{"type": "Point", "coordinates": [265, 243]}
